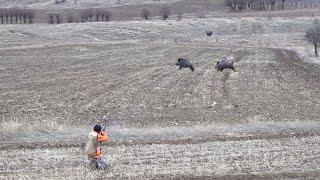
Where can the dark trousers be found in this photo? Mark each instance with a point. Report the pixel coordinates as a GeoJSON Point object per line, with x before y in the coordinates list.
{"type": "Point", "coordinates": [98, 163]}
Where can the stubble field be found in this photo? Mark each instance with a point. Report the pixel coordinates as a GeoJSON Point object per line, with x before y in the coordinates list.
{"type": "Point", "coordinates": [57, 81]}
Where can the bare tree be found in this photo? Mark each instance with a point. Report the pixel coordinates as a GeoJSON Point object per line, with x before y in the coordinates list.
{"type": "Point", "coordinates": [30, 14]}
{"type": "Point", "coordinates": [20, 15]}
{"type": "Point", "coordinates": [86, 15]}
{"type": "Point", "coordinates": [11, 15]}
{"type": "Point", "coordinates": [83, 16]}
{"type": "Point", "coordinates": [165, 13]}
{"type": "Point", "coordinates": [70, 17]}
{"type": "Point", "coordinates": [24, 16]}
{"type": "Point", "coordinates": [51, 16]}
{"type": "Point", "coordinates": [272, 4]}
{"type": "Point", "coordinates": [179, 15]}
{"type": "Point", "coordinates": [237, 5]}
{"type": "Point", "coordinates": [14, 13]}
{"type": "Point", "coordinates": [282, 4]}
{"type": "Point", "coordinates": [145, 13]}
{"type": "Point", "coordinates": [58, 18]}
{"type": "Point", "coordinates": [6, 14]}
{"type": "Point", "coordinates": [106, 14]}
{"type": "Point", "coordinates": [90, 14]}
{"type": "Point", "coordinates": [313, 36]}
{"type": "Point", "coordinates": [201, 15]}
{"type": "Point", "coordinates": [98, 13]}
{"type": "Point", "coordinates": [2, 15]}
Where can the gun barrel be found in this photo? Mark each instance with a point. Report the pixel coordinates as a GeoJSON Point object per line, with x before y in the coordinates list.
{"type": "Point", "coordinates": [104, 128]}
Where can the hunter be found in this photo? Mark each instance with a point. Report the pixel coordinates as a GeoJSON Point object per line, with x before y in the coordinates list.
{"type": "Point", "coordinates": [93, 147]}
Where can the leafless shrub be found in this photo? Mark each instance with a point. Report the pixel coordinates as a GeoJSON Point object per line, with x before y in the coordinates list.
{"type": "Point", "coordinates": [24, 16]}
{"type": "Point", "coordinates": [55, 17]}
{"type": "Point", "coordinates": [98, 13]}
{"type": "Point", "coordinates": [90, 14]}
{"type": "Point", "coordinates": [313, 36]}
{"type": "Point", "coordinates": [165, 13]}
{"type": "Point", "coordinates": [282, 3]}
{"type": "Point", "coordinates": [86, 15]}
{"type": "Point", "coordinates": [51, 17]}
{"type": "Point", "coordinates": [201, 15]}
{"type": "Point", "coordinates": [272, 4]}
{"type": "Point", "coordinates": [2, 16]}
{"type": "Point", "coordinates": [20, 15]}
{"type": "Point", "coordinates": [58, 18]}
{"type": "Point", "coordinates": [82, 15]}
{"type": "Point", "coordinates": [238, 5]}
{"type": "Point", "coordinates": [6, 14]}
{"type": "Point", "coordinates": [13, 15]}
{"type": "Point", "coordinates": [16, 15]}
{"type": "Point", "coordinates": [179, 15]}
{"type": "Point", "coordinates": [70, 17]}
{"type": "Point", "coordinates": [106, 15]}
{"type": "Point", "coordinates": [30, 14]}
{"type": "Point", "coordinates": [145, 13]}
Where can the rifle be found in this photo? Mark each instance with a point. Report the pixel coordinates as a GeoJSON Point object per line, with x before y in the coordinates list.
{"type": "Point", "coordinates": [104, 127]}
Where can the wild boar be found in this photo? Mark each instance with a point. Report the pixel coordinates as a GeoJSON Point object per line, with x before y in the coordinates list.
{"type": "Point", "coordinates": [184, 63]}
{"type": "Point", "coordinates": [224, 64]}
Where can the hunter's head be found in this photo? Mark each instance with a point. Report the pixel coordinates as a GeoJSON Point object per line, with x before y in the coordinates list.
{"type": "Point", "coordinates": [97, 128]}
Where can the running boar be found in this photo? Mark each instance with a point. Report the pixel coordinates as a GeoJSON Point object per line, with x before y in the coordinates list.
{"type": "Point", "coordinates": [184, 63]}
{"type": "Point", "coordinates": [209, 33]}
{"type": "Point", "coordinates": [224, 64]}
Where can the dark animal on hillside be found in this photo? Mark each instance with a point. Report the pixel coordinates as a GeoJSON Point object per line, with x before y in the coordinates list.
{"type": "Point", "coordinates": [184, 63]}
{"type": "Point", "coordinates": [209, 33]}
{"type": "Point", "coordinates": [224, 64]}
